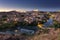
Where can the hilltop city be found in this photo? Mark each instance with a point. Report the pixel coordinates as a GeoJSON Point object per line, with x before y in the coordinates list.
{"type": "Point", "coordinates": [35, 22]}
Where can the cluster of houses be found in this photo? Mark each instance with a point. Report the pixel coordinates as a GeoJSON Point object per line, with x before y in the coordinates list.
{"type": "Point", "coordinates": [29, 17]}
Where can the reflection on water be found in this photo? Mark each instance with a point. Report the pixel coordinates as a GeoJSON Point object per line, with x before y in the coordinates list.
{"type": "Point", "coordinates": [49, 22]}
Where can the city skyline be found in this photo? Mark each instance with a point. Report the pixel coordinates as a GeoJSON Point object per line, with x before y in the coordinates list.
{"type": "Point", "coordinates": [43, 5]}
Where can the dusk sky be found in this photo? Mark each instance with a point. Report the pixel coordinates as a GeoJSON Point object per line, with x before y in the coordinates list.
{"type": "Point", "coordinates": [44, 5]}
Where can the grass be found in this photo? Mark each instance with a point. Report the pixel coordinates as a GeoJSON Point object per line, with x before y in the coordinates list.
{"type": "Point", "coordinates": [59, 36]}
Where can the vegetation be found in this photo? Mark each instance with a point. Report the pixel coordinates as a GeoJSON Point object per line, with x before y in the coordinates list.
{"type": "Point", "coordinates": [56, 24]}
{"type": "Point", "coordinates": [7, 25]}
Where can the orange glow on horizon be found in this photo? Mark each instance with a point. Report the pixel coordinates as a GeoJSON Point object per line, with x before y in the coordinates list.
{"type": "Point", "coordinates": [4, 10]}
{"type": "Point", "coordinates": [7, 10]}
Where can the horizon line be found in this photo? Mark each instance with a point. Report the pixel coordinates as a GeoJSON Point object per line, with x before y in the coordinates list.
{"type": "Point", "coordinates": [24, 10]}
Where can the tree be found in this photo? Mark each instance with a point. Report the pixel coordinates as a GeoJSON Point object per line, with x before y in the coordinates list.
{"type": "Point", "coordinates": [56, 24]}
{"type": "Point", "coordinates": [4, 16]}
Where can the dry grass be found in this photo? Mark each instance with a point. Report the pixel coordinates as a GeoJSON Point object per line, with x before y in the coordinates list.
{"type": "Point", "coordinates": [52, 35]}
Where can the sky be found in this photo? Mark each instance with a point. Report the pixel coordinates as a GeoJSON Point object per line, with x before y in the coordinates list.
{"type": "Point", "coordinates": [43, 5]}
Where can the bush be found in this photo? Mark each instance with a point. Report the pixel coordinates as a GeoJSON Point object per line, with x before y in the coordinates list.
{"type": "Point", "coordinates": [56, 24]}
